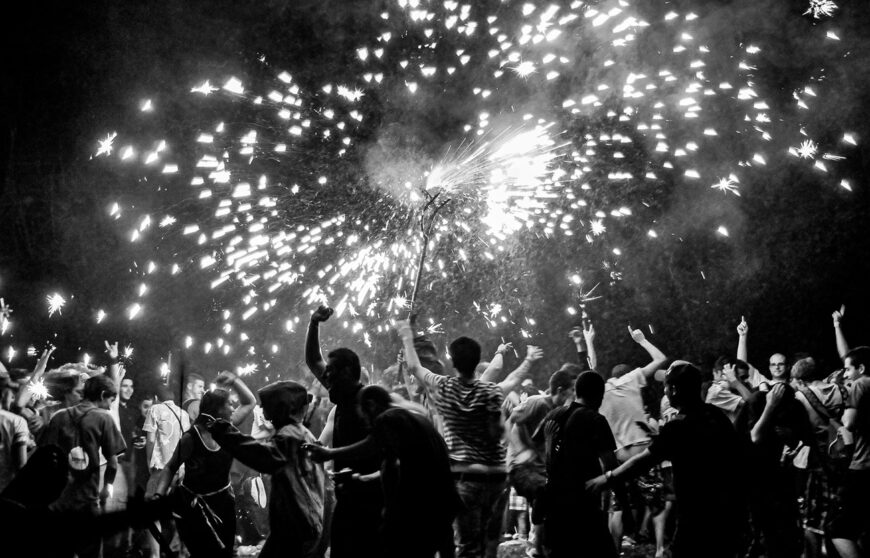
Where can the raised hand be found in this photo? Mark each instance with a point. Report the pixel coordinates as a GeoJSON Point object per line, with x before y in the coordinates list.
{"type": "Point", "coordinates": [636, 335]}
{"type": "Point", "coordinates": [534, 353]}
{"type": "Point", "coordinates": [742, 327]}
{"type": "Point", "coordinates": [730, 374]}
{"type": "Point", "coordinates": [112, 350]}
{"type": "Point", "coordinates": [504, 347]}
{"type": "Point", "coordinates": [322, 314]}
{"type": "Point", "coordinates": [775, 395]}
{"type": "Point", "coordinates": [589, 333]}
{"type": "Point", "coordinates": [838, 315]}
{"type": "Point", "coordinates": [225, 378]}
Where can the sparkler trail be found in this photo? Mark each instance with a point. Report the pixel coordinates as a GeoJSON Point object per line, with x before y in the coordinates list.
{"type": "Point", "coordinates": [298, 196]}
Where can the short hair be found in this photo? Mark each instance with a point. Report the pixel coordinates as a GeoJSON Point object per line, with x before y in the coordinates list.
{"type": "Point", "coordinates": [562, 379]}
{"type": "Point", "coordinates": [125, 378]}
{"type": "Point", "coordinates": [465, 354]}
{"type": "Point", "coordinates": [96, 386]}
{"type": "Point", "coordinates": [590, 388]}
{"type": "Point", "coordinates": [572, 368]}
{"type": "Point", "coordinates": [722, 361]}
{"type": "Point", "coordinates": [212, 402]}
{"type": "Point", "coordinates": [804, 369]}
{"type": "Point", "coordinates": [376, 394]}
{"type": "Point", "coordinates": [686, 378]}
{"type": "Point", "coordinates": [193, 377]}
{"type": "Point", "coordinates": [345, 358]}
{"type": "Point", "coordinates": [741, 364]}
{"type": "Point", "coordinates": [165, 393]}
{"type": "Point", "coordinates": [620, 370]}
{"type": "Point", "coordinates": [859, 355]}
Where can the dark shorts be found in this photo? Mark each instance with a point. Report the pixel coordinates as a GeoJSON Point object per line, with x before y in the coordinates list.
{"type": "Point", "coordinates": [528, 479]}
{"type": "Point", "coordinates": [851, 519]}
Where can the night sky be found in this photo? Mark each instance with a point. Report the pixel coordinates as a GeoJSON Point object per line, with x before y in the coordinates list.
{"type": "Point", "coordinates": [797, 242]}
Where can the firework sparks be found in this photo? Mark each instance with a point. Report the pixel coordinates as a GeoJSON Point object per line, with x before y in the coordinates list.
{"type": "Point", "coordinates": [821, 8]}
{"type": "Point", "coordinates": [56, 302]}
{"type": "Point", "coordinates": [728, 184]}
{"type": "Point", "coordinates": [106, 145]}
{"type": "Point", "coordinates": [808, 149]}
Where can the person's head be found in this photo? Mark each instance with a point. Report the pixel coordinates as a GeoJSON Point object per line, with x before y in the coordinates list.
{"type": "Point", "coordinates": [562, 386]}
{"type": "Point", "coordinates": [857, 362]}
{"type": "Point", "coordinates": [145, 406]}
{"type": "Point", "coordinates": [101, 391]}
{"type": "Point", "coordinates": [65, 386]}
{"type": "Point", "coordinates": [805, 369]}
{"type": "Point", "coordinates": [195, 386]}
{"type": "Point", "coordinates": [778, 367]}
{"type": "Point", "coordinates": [465, 354]}
{"type": "Point", "coordinates": [373, 401]}
{"type": "Point", "coordinates": [683, 385]}
{"type": "Point", "coordinates": [342, 374]}
{"type": "Point", "coordinates": [589, 389]}
{"type": "Point", "coordinates": [126, 391]}
{"type": "Point", "coordinates": [165, 393]}
{"type": "Point", "coordinates": [217, 404]}
{"type": "Point", "coordinates": [620, 370]}
{"type": "Point", "coordinates": [284, 402]}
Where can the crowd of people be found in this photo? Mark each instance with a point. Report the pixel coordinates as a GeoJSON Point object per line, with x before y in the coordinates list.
{"type": "Point", "coordinates": [429, 462]}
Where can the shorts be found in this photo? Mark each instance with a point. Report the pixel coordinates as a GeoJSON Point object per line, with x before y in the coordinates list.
{"type": "Point", "coordinates": [851, 519]}
{"type": "Point", "coordinates": [819, 501]}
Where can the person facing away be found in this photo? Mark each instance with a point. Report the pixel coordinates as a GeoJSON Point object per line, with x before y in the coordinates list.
{"type": "Point", "coordinates": [85, 432]}
{"type": "Point", "coordinates": [706, 454]}
{"type": "Point", "coordinates": [578, 441]}
{"type": "Point", "coordinates": [420, 499]}
{"type": "Point", "coordinates": [296, 499]}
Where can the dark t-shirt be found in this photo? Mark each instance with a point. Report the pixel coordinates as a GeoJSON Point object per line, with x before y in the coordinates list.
{"type": "Point", "coordinates": [131, 419]}
{"type": "Point", "coordinates": [349, 428]}
{"type": "Point", "coordinates": [584, 437]}
{"type": "Point", "coordinates": [705, 452]}
{"type": "Point", "coordinates": [94, 430]}
{"type": "Point", "coordinates": [417, 481]}
{"type": "Point", "coordinates": [791, 425]}
{"type": "Point", "coordinates": [205, 470]}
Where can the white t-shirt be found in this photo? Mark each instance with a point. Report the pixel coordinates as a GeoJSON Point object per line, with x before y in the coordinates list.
{"type": "Point", "coordinates": [168, 422]}
{"type": "Point", "coordinates": [623, 408]}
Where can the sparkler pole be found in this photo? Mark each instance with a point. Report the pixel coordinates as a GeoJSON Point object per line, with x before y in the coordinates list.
{"type": "Point", "coordinates": [426, 229]}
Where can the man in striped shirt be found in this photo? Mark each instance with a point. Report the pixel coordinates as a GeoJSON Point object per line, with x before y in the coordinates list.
{"type": "Point", "coordinates": [473, 430]}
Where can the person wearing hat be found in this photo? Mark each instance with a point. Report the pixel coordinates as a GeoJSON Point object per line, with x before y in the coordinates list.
{"type": "Point", "coordinates": [298, 483]}
{"type": "Point", "coordinates": [702, 445]}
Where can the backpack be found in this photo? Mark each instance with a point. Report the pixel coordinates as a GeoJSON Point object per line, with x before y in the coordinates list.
{"type": "Point", "coordinates": [77, 458]}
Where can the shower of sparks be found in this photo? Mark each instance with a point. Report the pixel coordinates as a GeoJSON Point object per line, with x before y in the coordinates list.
{"type": "Point", "coordinates": [246, 370]}
{"type": "Point", "coordinates": [55, 304]}
{"type": "Point", "coordinates": [274, 225]}
{"type": "Point", "coordinates": [106, 145]}
{"type": "Point", "coordinates": [821, 8]}
{"type": "Point", "coordinates": [10, 354]}
{"type": "Point", "coordinates": [101, 315]}
{"type": "Point", "coordinates": [5, 314]}
{"type": "Point", "coordinates": [128, 352]}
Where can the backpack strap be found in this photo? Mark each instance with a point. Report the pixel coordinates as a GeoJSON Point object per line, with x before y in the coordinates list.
{"type": "Point", "coordinates": [814, 402]}
{"type": "Point", "coordinates": [177, 417]}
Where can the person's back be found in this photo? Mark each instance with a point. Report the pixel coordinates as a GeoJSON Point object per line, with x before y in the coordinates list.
{"type": "Point", "coordinates": [468, 408]}
{"type": "Point", "coordinates": [623, 408]}
{"type": "Point", "coordinates": [705, 452]}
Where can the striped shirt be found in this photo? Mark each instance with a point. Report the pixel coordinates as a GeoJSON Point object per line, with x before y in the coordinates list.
{"type": "Point", "coordinates": [468, 410]}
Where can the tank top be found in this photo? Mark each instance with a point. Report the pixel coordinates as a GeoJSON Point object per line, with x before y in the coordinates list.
{"type": "Point", "coordinates": [205, 470]}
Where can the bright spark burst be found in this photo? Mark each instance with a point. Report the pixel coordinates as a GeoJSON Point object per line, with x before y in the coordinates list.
{"type": "Point", "coordinates": [56, 303]}
{"type": "Point", "coordinates": [105, 145]}
{"type": "Point", "coordinates": [39, 391]}
{"type": "Point", "coordinates": [728, 184]}
{"type": "Point", "coordinates": [808, 149]}
{"type": "Point", "coordinates": [246, 369]}
{"type": "Point", "coordinates": [821, 8]}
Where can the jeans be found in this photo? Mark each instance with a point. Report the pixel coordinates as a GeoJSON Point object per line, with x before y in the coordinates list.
{"type": "Point", "coordinates": [478, 523]}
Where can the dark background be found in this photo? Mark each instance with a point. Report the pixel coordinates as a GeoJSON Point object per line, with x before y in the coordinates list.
{"type": "Point", "coordinates": [797, 248]}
